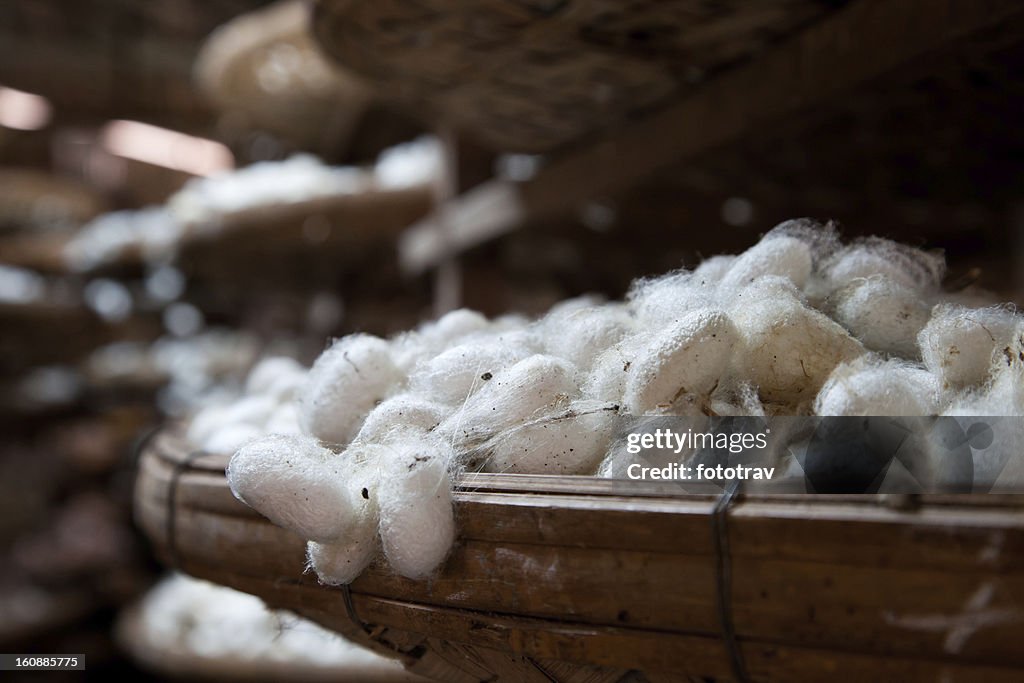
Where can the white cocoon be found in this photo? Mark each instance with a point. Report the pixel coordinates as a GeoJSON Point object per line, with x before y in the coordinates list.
{"type": "Point", "coordinates": [284, 420]}
{"type": "Point", "coordinates": [532, 387]}
{"type": "Point", "coordinates": [229, 438]}
{"type": "Point", "coordinates": [205, 423]}
{"type": "Point", "coordinates": [658, 301]}
{"type": "Point", "coordinates": [342, 560]}
{"type": "Point", "coordinates": [452, 327]}
{"type": "Point", "coordinates": [344, 384]}
{"type": "Point", "coordinates": [787, 349]}
{"type": "Point", "coordinates": [869, 386]}
{"type": "Point", "coordinates": [957, 344]}
{"type": "Point", "coordinates": [296, 484]}
{"type": "Point", "coordinates": [712, 270]}
{"type": "Point", "coordinates": [570, 442]}
{"type": "Point", "coordinates": [278, 376]}
{"type": "Point", "coordinates": [779, 255]}
{"type": "Point", "coordinates": [687, 357]}
{"type": "Point", "coordinates": [252, 411]}
{"type": "Point", "coordinates": [913, 268]}
{"type": "Point", "coordinates": [417, 522]}
{"type": "Point", "coordinates": [1004, 395]}
{"type": "Point", "coordinates": [453, 375]}
{"type": "Point", "coordinates": [398, 413]}
{"type": "Point", "coordinates": [609, 374]}
{"type": "Point", "coordinates": [883, 314]}
{"type": "Point", "coordinates": [581, 334]}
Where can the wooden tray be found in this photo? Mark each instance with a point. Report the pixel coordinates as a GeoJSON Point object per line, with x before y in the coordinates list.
{"type": "Point", "coordinates": [577, 578]}
{"type": "Point", "coordinates": [315, 239]}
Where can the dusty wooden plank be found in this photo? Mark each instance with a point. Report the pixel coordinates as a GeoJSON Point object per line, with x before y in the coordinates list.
{"type": "Point", "coordinates": [847, 607]}
{"type": "Point", "coordinates": [828, 584]}
{"type": "Point", "coordinates": [663, 653]}
{"type": "Point", "coordinates": [563, 640]}
{"type": "Point", "coordinates": [863, 41]}
{"type": "Point", "coordinates": [818, 529]}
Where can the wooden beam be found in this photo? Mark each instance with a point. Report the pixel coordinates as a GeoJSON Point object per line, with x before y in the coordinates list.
{"type": "Point", "coordinates": [865, 40]}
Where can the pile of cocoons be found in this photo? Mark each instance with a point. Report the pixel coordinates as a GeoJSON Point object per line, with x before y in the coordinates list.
{"type": "Point", "coordinates": [203, 205]}
{"type": "Point", "coordinates": [799, 324]}
{"type": "Point", "coordinates": [218, 625]}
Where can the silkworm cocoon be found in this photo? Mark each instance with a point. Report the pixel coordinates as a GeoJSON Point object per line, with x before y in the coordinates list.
{"type": "Point", "coordinates": [780, 255]}
{"type": "Point", "coordinates": [295, 483]}
{"type": "Point", "coordinates": [229, 438]}
{"type": "Point", "coordinates": [398, 413]}
{"type": "Point", "coordinates": [606, 380]}
{"type": "Point", "coordinates": [787, 349]}
{"type": "Point", "coordinates": [510, 321]}
{"type": "Point", "coordinates": [344, 384]}
{"type": "Point", "coordinates": [913, 268]}
{"type": "Point", "coordinates": [417, 523]}
{"type": "Point", "coordinates": [581, 334]}
{"type": "Point", "coordinates": [252, 411]}
{"type": "Point", "coordinates": [572, 441]}
{"type": "Point", "coordinates": [279, 376]}
{"type": "Point", "coordinates": [868, 386]}
{"type": "Point", "coordinates": [453, 326]}
{"type": "Point", "coordinates": [453, 375]}
{"type": "Point", "coordinates": [712, 270]}
{"type": "Point", "coordinates": [821, 238]}
{"type": "Point", "coordinates": [687, 357]}
{"type": "Point", "coordinates": [1004, 394]}
{"type": "Point", "coordinates": [205, 423]}
{"type": "Point", "coordinates": [570, 306]}
{"type": "Point", "coordinates": [532, 387]}
{"type": "Point", "coordinates": [284, 420]}
{"type": "Point", "coordinates": [957, 344]}
{"type": "Point", "coordinates": [883, 314]}
{"type": "Point", "coordinates": [658, 301]}
{"type": "Point", "coordinates": [342, 560]}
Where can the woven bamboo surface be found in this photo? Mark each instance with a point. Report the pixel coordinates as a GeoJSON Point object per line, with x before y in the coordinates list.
{"type": "Point", "coordinates": [585, 579]}
{"type": "Point", "coordinates": [534, 75]}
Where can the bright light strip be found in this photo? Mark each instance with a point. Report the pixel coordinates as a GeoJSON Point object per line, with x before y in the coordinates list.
{"type": "Point", "coordinates": [167, 148]}
{"type": "Point", "coordinates": [22, 110]}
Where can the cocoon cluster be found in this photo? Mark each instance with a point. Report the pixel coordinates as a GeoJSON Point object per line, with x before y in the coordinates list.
{"type": "Point", "coordinates": [795, 324]}
{"type": "Point", "coordinates": [266, 407]}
